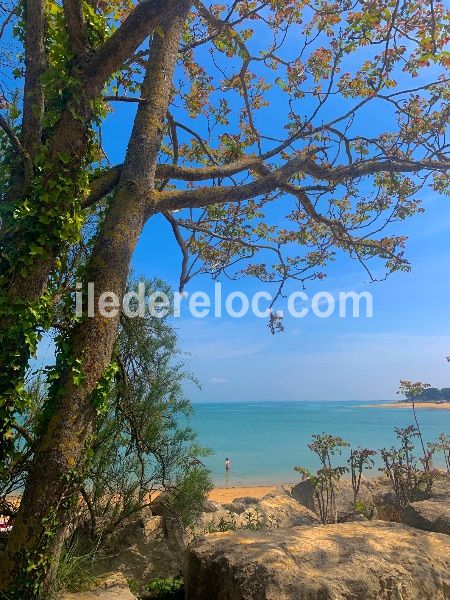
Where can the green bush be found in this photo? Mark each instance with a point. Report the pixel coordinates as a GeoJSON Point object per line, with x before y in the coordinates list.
{"type": "Point", "coordinates": [166, 589]}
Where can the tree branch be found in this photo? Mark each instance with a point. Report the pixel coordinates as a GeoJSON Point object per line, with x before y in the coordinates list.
{"type": "Point", "coordinates": [124, 42]}
{"type": "Point", "coordinates": [24, 433]}
{"type": "Point", "coordinates": [206, 196]}
{"type": "Point", "coordinates": [16, 143]}
{"type": "Point", "coordinates": [123, 99]}
{"type": "Point", "coordinates": [103, 185]}
{"type": "Point", "coordinates": [35, 63]}
{"type": "Point", "coordinates": [76, 26]}
{"type": "Point", "coordinates": [184, 250]}
{"type": "Point", "coordinates": [107, 181]}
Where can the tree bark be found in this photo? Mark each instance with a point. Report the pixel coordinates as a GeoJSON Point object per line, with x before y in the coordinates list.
{"type": "Point", "coordinates": [59, 452]}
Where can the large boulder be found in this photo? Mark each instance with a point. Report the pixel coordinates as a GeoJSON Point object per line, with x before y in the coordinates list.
{"type": "Point", "coordinates": [276, 509]}
{"type": "Point", "coordinates": [304, 492]}
{"type": "Point", "coordinates": [350, 561]}
{"type": "Point", "coordinates": [429, 515]}
{"type": "Point", "coordinates": [281, 508]}
{"type": "Point", "coordinates": [112, 587]}
{"type": "Point", "coordinates": [381, 490]}
{"type": "Point", "coordinates": [210, 506]}
{"type": "Point", "coordinates": [219, 520]}
{"type": "Point", "coordinates": [239, 505]}
{"type": "Point", "coordinates": [441, 485]}
{"type": "Point", "coordinates": [143, 548]}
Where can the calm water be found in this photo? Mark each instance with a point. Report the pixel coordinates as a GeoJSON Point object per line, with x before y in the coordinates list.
{"type": "Point", "coordinates": [265, 440]}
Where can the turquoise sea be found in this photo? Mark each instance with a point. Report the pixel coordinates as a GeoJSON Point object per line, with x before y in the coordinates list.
{"type": "Point", "coordinates": [266, 440]}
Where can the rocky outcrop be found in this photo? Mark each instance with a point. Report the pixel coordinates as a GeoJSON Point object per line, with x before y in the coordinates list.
{"type": "Point", "coordinates": [441, 485]}
{"type": "Point", "coordinates": [349, 561]}
{"type": "Point", "coordinates": [144, 548]}
{"type": "Point", "coordinates": [381, 490]}
{"type": "Point", "coordinates": [429, 515]}
{"type": "Point", "coordinates": [239, 505]}
{"type": "Point", "coordinates": [304, 492]}
{"type": "Point", "coordinates": [280, 506]}
{"type": "Point", "coordinates": [275, 510]}
{"type": "Point", "coordinates": [209, 506]}
{"type": "Point", "coordinates": [112, 587]}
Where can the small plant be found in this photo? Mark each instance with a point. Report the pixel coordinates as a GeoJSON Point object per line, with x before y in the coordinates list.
{"type": "Point", "coordinates": [409, 481]}
{"type": "Point", "coordinates": [360, 459]}
{"type": "Point", "coordinates": [166, 589]}
{"type": "Point", "coordinates": [222, 525]}
{"type": "Point", "coordinates": [411, 391]}
{"type": "Point", "coordinates": [254, 520]}
{"type": "Point", "coordinates": [324, 481]}
{"type": "Point", "coordinates": [133, 585]}
{"type": "Point", "coordinates": [75, 571]}
{"type": "Point", "coordinates": [366, 511]}
{"type": "Point", "coordinates": [442, 445]}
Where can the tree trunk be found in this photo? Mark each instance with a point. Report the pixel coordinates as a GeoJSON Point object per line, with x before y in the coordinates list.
{"type": "Point", "coordinates": [21, 291]}
{"type": "Point", "coordinates": [58, 461]}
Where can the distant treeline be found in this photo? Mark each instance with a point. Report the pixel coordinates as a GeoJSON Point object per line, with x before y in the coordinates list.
{"type": "Point", "coordinates": [432, 395]}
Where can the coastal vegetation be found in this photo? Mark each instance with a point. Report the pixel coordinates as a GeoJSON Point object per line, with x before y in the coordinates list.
{"type": "Point", "coordinates": [242, 192]}
{"type": "Point", "coordinates": [140, 446]}
{"type": "Point", "coordinates": [411, 476]}
{"type": "Point", "coordinates": [431, 394]}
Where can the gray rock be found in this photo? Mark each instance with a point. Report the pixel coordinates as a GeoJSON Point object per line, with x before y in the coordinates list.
{"type": "Point", "coordinates": [350, 561]}
{"type": "Point", "coordinates": [441, 485]}
{"type": "Point", "coordinates": [144, 548]}
{"type": "Point", "coordinates": [111, 587]}
{"type": "Point", "coordinates": [239, 505]}
{"type": "Point", "coordinates": [276, 509]}
{"type": "Point", "coordinates": [215, 521]}
{"type": "Point", "coordinates": [209, 506]}
{"type": "Point", "coordinates": [429, 515]}
{"type": "Point", "coordinates": [304, 492]}
{"type": "Point", "coordinates": [279, 506]}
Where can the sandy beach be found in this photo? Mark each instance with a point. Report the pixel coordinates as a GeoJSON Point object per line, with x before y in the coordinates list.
{"type": "Point", "coordinates": [427, 405]}
{"type": "Point", "coordinates": [228, 494]}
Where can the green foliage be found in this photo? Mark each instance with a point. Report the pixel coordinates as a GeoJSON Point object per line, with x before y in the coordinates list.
{"type": "Point", "coordinates": [45, 218]}
{"type": "Point", "coordinates": [142, 441]}
{"type": "Point", "coordinates": [191, 486]}
{"type": "Point", "coordinates": [42, 193]}
{"type": "Point", "coordinates": [75, 573]}
{"type": "Point", "coordinates": [133, 585]}
{"type": "Point", "coordinates": [409, 479]}
{"type": "Point", "coordinates": [366, 511]}
{"type": "Point", "coordinates": [166, 589]}
{"type": "Point", "coordinates": [360, 459]}
{"type": "Point", "coordinates": [413, 391]}
{"type": "Point", "coordinates": [254, 520]}
{"type": "Point", "coordinates": [442, 445]}
{"type": "Point", "coordinates": [430, 394]}
{"type": "Point", "coordinates": [325, 479]}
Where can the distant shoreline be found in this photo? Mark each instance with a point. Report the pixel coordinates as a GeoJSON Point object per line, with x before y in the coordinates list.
{"type": "Point", "coordinates": [430, 405]}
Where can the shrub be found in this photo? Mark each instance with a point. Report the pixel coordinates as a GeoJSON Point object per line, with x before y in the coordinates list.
{"type": "Point", "coordinates": [409, 481]}
{"type": "Point", "coordinates": [166, 589]}
{"type": "Point", "coordinates": [324, 481]}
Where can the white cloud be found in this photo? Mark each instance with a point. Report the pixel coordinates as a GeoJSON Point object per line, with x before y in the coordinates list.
{"type": "Point", "coordinates": [218, 380]}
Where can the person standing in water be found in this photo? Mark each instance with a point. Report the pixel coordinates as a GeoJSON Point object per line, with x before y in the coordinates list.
{"type": "Point", "coordinates": [227, 464]}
